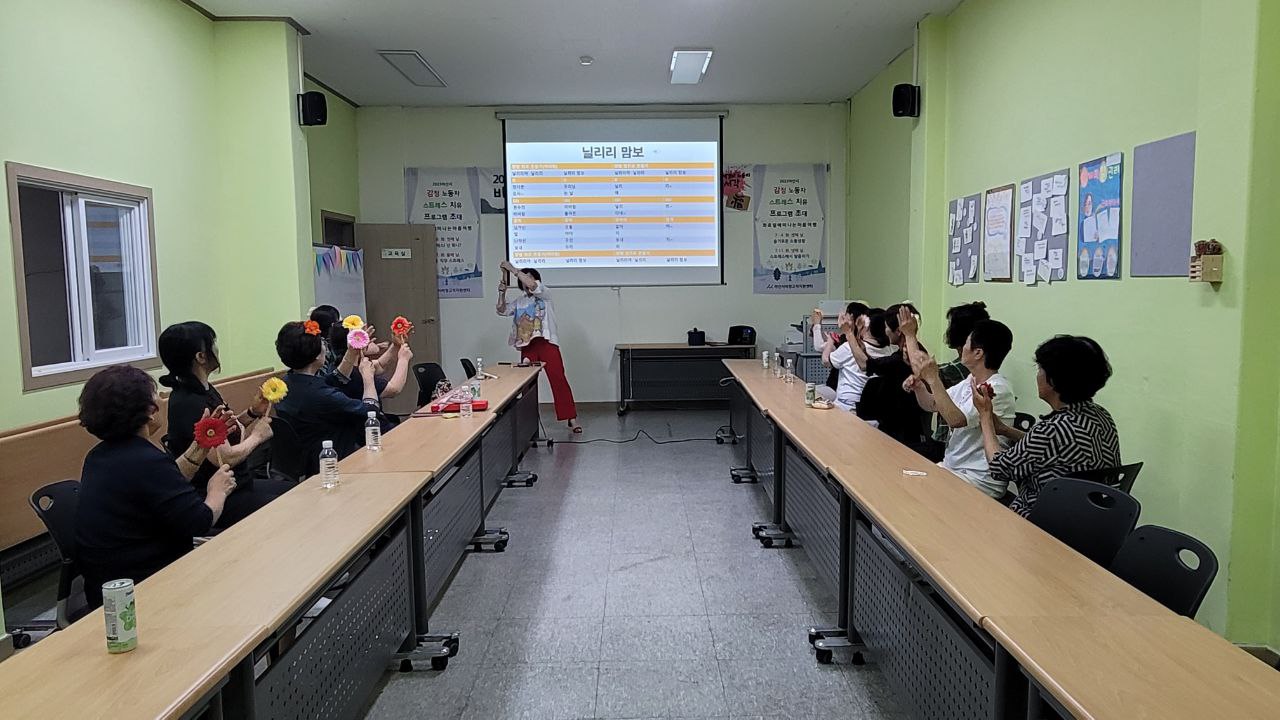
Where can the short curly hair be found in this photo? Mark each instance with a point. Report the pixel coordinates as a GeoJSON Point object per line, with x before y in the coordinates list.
{"type": "Point", "coordinates": [296, 348]}
{"type": "Point", "coordinates": [117, 402]}
{"type": "Point", "coordinates": [1075, 366]}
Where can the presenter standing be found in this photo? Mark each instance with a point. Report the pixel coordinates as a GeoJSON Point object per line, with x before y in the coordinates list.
{"type": "Point", "coordinates": [533, 333]}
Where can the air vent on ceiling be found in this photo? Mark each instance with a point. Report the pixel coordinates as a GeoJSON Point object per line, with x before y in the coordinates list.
{"type": "Point", "coordinates": [413, 67]}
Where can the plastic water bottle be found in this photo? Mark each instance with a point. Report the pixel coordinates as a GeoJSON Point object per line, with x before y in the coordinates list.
{"type": "Point", "coordinates": [328, 465]}
{"type": "Point", "coordinates": [465, 405]}
{"type": "Point", "coordinates": [479, 368]}
{"type": "Point", "coordinates": [373, 432]}
{"type": "Point", "coordinates": [790, 373]}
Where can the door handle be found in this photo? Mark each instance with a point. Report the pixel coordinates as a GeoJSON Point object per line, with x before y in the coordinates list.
{"type": "Point", "coordinates": [429, 320]}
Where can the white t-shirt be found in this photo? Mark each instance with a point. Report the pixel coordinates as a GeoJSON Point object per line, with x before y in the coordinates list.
{"type": "Point", "coordinates": [965, 454]}
{"type": "Point", "coordinates": [852, 378]}
{"type": "Point", "coordinates": [532, 316]}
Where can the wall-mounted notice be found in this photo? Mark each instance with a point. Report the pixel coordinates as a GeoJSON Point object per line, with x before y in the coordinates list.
{"type": "Point", "coordinates": [339, 279]}
{"type": "Point", "coordinates": [964, 239]}
{"type": "Point", "coordinates": [790, 230]}
{"type": "Point", "coordinates": [997, 240]}
{"type": "Point", "coordinates": [735, 187]}
{"type": "Point", "coordinates": [1098, 240]}
{"type": "Point", "coordinates": [1040, 244]}
{"type": "Point", "coordinates": [449, 198]}
{"type": "Point", "coordinates": [1164, 175]}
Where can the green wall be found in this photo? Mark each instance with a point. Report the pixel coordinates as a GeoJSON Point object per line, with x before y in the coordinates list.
{"type": "Point", "coordinates": [150, 92]}
{"type": "Point", "coordinates": [879, 190]}
{"type": "Point", "coordinates": [334, 167]}
{"type": "Point", "coordinates": [1014, 89]}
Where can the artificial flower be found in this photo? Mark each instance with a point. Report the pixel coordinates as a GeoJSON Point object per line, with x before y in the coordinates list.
{"type": "Point", "coordinates": [358, 339]}
{"type": "Point", "coordinates": [311, 327]}
{"type": "Point", "coordinates": [211, 432]}
{"type": "Point", "coordinates": [352, 322]}
{"type": "Point", "coordinates": [401, 326]}
{"type": "Point", "coordinates": [274, 390]}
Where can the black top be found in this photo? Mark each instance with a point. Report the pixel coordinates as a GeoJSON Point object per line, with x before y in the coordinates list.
{"type": "Point", "coordinates": [136, 514]}
{"type": "Point", "coordinates": [187, 403]}
{"type": "Point", "coordinates": [315, 410]}
{"type": "Point", "coordinates": [884, 400]}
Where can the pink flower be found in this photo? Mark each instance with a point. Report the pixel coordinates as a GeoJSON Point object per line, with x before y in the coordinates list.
{"type": "Point", "coordinates": [358, 339]}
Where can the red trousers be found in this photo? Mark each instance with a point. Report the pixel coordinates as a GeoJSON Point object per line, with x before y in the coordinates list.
{"type": "Point", "coordinates": [540, 351]}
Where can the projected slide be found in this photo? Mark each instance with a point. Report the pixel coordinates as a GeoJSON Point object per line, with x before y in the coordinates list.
{"type": "Point", "coordinates": [613, 204]}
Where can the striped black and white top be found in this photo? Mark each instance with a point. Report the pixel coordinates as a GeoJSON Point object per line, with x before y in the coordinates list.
{"type": "Point", "coordinates": [1081, 436]}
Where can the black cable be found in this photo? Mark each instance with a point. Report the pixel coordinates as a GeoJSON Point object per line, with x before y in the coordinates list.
{"type": "Point", "coordinates": [652, 439]}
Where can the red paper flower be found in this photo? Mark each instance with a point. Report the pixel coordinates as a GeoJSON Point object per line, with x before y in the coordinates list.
{"type": "Point", "coordinates": [311, 327]}
{"type": "Point", "coordinates": [401, 326]}
{"type": "Point", "coordinates": [211, 432]}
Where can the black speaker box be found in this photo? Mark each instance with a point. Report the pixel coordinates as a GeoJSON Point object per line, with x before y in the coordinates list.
{"type": "Point", "coordinates": [906, 100]}
{"type": "Point", "coordinates": [312, 108]}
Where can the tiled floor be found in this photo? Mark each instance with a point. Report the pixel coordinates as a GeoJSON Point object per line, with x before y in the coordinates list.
{"type": "Point", "coordinates": [632, 589]}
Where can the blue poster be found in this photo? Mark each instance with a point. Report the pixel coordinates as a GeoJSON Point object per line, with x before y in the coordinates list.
{"type": "Point", "coordinates": [1098, 239]}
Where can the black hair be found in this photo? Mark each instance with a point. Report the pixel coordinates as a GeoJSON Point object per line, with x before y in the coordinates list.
{"type": "Point", "coordinates": [532, 273]}
{"type": "Point", "coordinates": [338, 339]}
{"type": "Point", "coordinates": [297, 348]}
{"type": "Point", "coordinates": [891, 314]}
{"type": "Point", "coordinates": [856, 309]}
{"type": "Point", "coordinates": [117, 402]}
{"type": "Point", "coordinates": [1075, 366]}
{"type": "Point", "coordinates": [994, 339]}
{"type": "Point", "coordinates": [326, 316]}
{"type": "Point", "coordinates": [961, 320]}
{"type": "Point", "coordinates": [877, 325]}
{"type": "Point", "coordinates": [178, 346]}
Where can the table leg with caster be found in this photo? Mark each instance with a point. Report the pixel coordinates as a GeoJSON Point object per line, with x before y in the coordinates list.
{"type": "Point", "coordinates": [770, 534]}
{"type": "Point", "coordinates": [743, 475]}
{"type": "Point", "coordinates": [520, 478]}
{"type": "Point", "coordinates": [496, 539]}
{"type": "Point", "coordinates": [433, 648]}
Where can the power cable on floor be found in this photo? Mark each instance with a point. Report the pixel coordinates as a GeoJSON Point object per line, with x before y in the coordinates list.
{"type": "Point", "coordinates": [645, 433]}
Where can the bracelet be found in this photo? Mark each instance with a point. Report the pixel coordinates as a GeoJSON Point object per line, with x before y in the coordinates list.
{"type": "Point", "coordinates": [196, 463]}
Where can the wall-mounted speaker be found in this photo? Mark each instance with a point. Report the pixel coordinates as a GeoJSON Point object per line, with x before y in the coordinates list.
{"type": "Point", "coordinates": [312, 108]}
{"type": "Point", "coordinates": [906, 100]}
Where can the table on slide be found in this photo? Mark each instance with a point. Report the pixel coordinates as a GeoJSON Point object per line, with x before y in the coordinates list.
{"type": "Point", "coordinates": [970, 610]}
{"type": "Point", "coordinates": [614, 213]}
{"type": "Point", "coordinates": [226, 631]}
{"type": "Point", "coordinates": [671, 372]}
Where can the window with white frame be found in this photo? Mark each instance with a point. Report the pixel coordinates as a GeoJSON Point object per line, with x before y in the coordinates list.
{"type": "Point", "coordinates": [83, 252]}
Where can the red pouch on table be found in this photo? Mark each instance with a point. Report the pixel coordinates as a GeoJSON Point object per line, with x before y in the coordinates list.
{"type": "Point", "coordinates": [477, 405]}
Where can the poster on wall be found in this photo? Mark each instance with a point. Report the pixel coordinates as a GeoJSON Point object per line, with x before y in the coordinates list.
{"type": "Point", "coordinates": [964, 227]}
{"type": "Point", "coordinates": [449, 198]}
{"type": "Point", "coordinates": [1098, 239]}
{"type": "Point", "coordinates": [997, 236]}
{"type": "Point", "coordinates": [735, 187]}
{"type": "Point", "coordinates": [339, 279]}
{"type": "Point", "coordinates": [790, 230]}
{"type": "Point", "coordinates": [493, 191]}
{"type": "Point", "coordinates": [1040, 246]}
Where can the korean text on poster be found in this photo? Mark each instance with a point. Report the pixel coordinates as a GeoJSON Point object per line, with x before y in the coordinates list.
{"type": "Point", "coordinates": [449, 199]}
{"type": "Point", "coordinates": [790, 230]}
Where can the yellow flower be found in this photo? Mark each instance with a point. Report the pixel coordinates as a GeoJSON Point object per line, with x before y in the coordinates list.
{"type": "Point", "coordinates": [351, 322]}
{"type": "Point", "coordinates": [274, 390]}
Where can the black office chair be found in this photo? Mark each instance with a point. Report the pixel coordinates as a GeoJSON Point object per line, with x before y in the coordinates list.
{"type": "Point", "coordinates": [1151, 561]}
{"type": "Point", "coordinates": [1023, 421]}
{"type": "Point", "coordinates": [469, 368]}
{"type": "Point", "coordinates": [428, 376]}
{"type": "Point", "coordinates": [55, 505]}
{"type": "Point", "coordinates": [290, 457]}
{"type": "Point", "coordinates": [1092, 518]}
{"type": "Point", "coordinates": [1117, 477]}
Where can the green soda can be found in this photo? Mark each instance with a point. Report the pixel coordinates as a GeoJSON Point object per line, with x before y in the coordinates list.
{"type": "Point", "coordinates": [121, 615]}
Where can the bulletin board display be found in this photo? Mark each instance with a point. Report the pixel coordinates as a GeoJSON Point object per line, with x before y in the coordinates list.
{"type": "Point", "coordinates": [964, 233]}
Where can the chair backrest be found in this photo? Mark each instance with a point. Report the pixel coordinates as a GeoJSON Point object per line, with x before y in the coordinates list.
{"type": "Point", "coordinates": [1151, 561]}
{"type": "Point", "coordinates": [1092, 518]}
{"type": "Point", "coordinates": [469, 368]}
{"type": "Point", "coordinates": [428, 376]}
{"type": "Point", "coordinates": [1023, 421]}
{"type": "Point", "coordinates": [1117, 477]}
{"type": "Point", "coordinates": [55, 504]}
{"type": "Point", "coordinates": [289, 455]}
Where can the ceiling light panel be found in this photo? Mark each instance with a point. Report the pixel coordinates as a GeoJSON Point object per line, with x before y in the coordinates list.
{"type": "Point", "coordinates": [413, 67]}
{"type": "Point", "coordinates": [689, 66]}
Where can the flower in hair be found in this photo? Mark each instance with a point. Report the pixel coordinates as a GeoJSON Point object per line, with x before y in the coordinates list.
{"type": "Point", "coordinates": [211, 432]}
{"type": "Point", "coordinates": [311, 327]}
{"type": "Point", "coordinates": [358, 339]}
{"type": "Point", "coordinates": [352, 322]}
{"type": "Point", "coordinates": [274, 390]}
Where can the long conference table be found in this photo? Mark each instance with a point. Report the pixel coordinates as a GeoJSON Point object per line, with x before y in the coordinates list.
{"type": "Point", "coordinates": [970, 610]}
{"type": "Point", "coordinates": [237, 627]}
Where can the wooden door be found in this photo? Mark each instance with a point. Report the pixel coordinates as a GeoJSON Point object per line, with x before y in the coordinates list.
{"type": "Point", "coordinates": [400, 279]}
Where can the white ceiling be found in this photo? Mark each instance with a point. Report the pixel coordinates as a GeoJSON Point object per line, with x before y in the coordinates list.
{"type": "Point", "coordinates": [525, 52]}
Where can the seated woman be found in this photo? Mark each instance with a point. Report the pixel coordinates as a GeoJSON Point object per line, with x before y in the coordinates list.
{"type": "Point", "coordinates": [841, 358]}
{"type": "Point", "coordinates": [328, 317]}
{"type": "Point", "coordinates": [189, 352]}
{"type": "Point", "coordinates": [1077, 435]}
{"type": "Point", "coordinates": [315, 409]}
{"type": "Point", "coordinates": [982, 353]}
{"type": "Point", "coordinates": [137, 512]}
{"type": "Point", "coordinates": [395, 362]}
{"type": "Point", "coordinates": [884, 402]}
